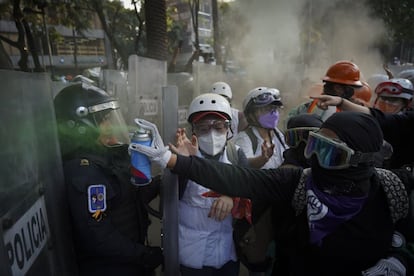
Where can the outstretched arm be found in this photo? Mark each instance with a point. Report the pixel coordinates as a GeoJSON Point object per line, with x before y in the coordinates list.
{"type": "Point", "coordinates": [325, 100]}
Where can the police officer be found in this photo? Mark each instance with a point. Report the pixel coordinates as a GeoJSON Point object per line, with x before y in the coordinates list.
{"type": "Point", "coordinates": [109, 218]}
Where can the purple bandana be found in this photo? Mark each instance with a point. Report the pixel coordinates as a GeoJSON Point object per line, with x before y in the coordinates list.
{"type": "Point", "coordinates": [327, 212]}
{"type": "Point", "coordinates": [269, 120]}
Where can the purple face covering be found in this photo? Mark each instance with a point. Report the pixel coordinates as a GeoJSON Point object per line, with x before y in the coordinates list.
{"type": "Point", "coordinates": [269, 120]}
{"type": "Point", "coordinates": [327, 212]}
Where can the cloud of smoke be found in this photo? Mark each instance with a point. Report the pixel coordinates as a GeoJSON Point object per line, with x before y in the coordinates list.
{"type": "Point", "coordinates": [288, 41]}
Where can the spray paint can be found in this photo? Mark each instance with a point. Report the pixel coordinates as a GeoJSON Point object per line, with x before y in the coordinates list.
{"type": "Point", "coordinates": [140, 164]}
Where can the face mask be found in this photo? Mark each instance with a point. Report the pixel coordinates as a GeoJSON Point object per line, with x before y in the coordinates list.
{"type": "Point", "coordinates": [213, 142]}
{"type": "Point", "coordinates": [269, 120]}
{"type": "Point", "coordinates": [388, 106]}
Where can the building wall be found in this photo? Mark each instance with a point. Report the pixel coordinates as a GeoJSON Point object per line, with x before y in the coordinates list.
{"type": "Point", "coordinates": [91, 50]}
{"type": "Point", "coordinates": [205, 26]}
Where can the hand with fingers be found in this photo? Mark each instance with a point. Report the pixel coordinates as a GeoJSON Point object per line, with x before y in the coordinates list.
{"type": "Point", "coordinates": [156, 152]}
{"type": "Point", "coordinates": [267, 150]}
{"type": "Point", "coordinates": [221, 208]}
{"type": "Point", "coordinates": [183, 145]}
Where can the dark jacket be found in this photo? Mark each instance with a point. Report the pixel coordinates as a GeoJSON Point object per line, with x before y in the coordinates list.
{"type": "Point", "coordinates": [398, 130]}
{"type": "Point", "coordinates": [113, 243]}
{"type": "Point", "coordinates": [355, 246]}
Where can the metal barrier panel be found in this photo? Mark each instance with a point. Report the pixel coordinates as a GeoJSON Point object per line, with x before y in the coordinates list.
{"type": "Point", "coordinates": [146, 77]}
{"type": "Point", "coordinates": [170, 186]}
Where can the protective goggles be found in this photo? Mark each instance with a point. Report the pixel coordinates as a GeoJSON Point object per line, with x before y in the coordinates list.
{"type": "Point", "coordinates": [204, 126]}
{"type": "Point", "coordinates": [266, 98]}
{"type": "Point", "coordinates": [334, 154]}
{"type": "Point", "coordinates": [294, 136]}
{"type": "Point", "coordinates": [391, 88]}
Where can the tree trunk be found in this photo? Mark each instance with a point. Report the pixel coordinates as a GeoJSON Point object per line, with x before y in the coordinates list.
{"type": "Point", "coordinates": [21, 42]}
{"type": "Point", "coordinates": [99, 8]}
{"type": "Point", "coordinates": [156, 27]}
{"type": "Point", "coordinates": [216, 32]}
{"type": "Point", "coordinates": [32, 46]}
{"type": "Point", "coordinates": [5, 61]}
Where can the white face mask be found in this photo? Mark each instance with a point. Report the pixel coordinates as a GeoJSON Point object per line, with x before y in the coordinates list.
{"type": "Point", "coordinates": [213, 142]}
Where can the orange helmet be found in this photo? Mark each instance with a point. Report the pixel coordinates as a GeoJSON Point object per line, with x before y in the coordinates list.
{"type": "Point", "coordinates": [363, 93]}
{"type": "Point", "coordinates": [344, 72]}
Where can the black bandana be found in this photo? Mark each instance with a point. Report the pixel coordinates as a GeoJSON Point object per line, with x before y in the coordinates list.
{"type": "Point", "coordinates": [360, 132]}
{"type": "Point", "coordinates": [294, 156]}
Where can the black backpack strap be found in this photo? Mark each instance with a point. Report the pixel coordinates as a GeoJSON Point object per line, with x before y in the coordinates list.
{"type": "Point", "coordinates": [397, 196]}
{"type": "Point", "coordinates": [299, 197]}
{"type": "Point", "coordinates": [279, 138]}
{"type": "Point", "coordinates": [232, 153]}
{"type": "Point", "coordinates": [253, 138]}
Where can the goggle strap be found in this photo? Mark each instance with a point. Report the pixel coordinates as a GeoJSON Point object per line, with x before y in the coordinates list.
{"type": "Point", "coordinates": [361, 157]}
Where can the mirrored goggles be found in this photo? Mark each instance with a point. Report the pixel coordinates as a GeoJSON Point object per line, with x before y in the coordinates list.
{"type": "Point", "coordinates": [294, 136]}
{"type": "Point", "coordinates": [333, 154]}
{"type": "Point", "coordinates": [391, 88]}
{"type": "Point", "coordinates": [266, 98]}
{"type": "Point", "coordinates": [204, 126]}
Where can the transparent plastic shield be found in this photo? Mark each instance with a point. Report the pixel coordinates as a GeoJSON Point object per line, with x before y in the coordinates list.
{"type": "Point", "coordinates": [113, 130]}
{"type": "Point", "coordinates": [27, 127]}
{"type": "Point", "coordinates": [31, 172]}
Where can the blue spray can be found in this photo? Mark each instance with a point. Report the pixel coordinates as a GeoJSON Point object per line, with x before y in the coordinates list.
{"type": "Point", "coordinates": [140, 164]}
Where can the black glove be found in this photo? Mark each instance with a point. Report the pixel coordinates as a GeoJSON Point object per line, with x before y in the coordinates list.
{"type": "Point", "coordinates": [152, 258]}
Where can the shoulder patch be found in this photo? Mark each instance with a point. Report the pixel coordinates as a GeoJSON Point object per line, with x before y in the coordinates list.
{"type": "Point", "coordinates": [96, 198]}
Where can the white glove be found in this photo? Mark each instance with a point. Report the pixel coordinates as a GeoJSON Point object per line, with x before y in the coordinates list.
{"type": "Point", "coordinates": [386, 267]}
{"type": "Point", "coordinates": [156, 152]}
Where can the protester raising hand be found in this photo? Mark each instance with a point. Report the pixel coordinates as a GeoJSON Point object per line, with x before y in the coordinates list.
{"type": "Point", "coordinates": [183, 145]}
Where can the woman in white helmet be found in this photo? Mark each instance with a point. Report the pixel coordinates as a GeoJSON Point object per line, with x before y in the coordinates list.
{"type": "Point", "coordinates": [238, 121]}
{"type": "Point", "coordinates": [206, 245]}
{"type": "Point", "coordinates": [262, 142]}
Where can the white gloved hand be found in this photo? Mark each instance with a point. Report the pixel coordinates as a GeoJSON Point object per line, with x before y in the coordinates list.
{"type": "Point", "coordinates": [390, 266]}
{"type": "Point", "coordinates": [156, 152]}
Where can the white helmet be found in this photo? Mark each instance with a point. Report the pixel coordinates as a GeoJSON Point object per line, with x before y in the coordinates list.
{"type": "Point", "coordinates": [222, 88]}
{"type": "Point", "coordinates": [209, 102]}
{"type": "Point", "coordinates": [407, 74]}
{"type": "Point", "coordinates": [396, 88]}
{"type": "Point", "coordinates": [261, 96]}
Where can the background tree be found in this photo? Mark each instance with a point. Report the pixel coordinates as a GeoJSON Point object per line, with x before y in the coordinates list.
{"type": "Point", "coordinates": [24, 42]}
{"type": "Point", "coordinates": [140, 35]}
{"type": "Point", "coordinates": [109, 14]}
{"type": "Point", "coordinates": [398, 16]}
{"type": "Point", "coordinates": [31, 17]}
{"type": "Point", "coordinates": [194, 6]}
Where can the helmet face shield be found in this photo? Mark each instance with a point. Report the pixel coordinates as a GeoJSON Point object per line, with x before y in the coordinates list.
{"type": "Point", "coordinates": [113, 131]}
{"type": "Point", "coordinates": [294, 136]}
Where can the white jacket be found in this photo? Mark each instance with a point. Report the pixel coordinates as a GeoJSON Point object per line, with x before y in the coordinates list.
{"type": "Point", "coordinates": [203, 241]}
{"type": "Point", "coordinates": [244, 142]}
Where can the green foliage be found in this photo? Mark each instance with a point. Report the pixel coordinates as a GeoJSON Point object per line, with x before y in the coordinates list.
{"type": "Point", "coordinates": [398, 15]}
